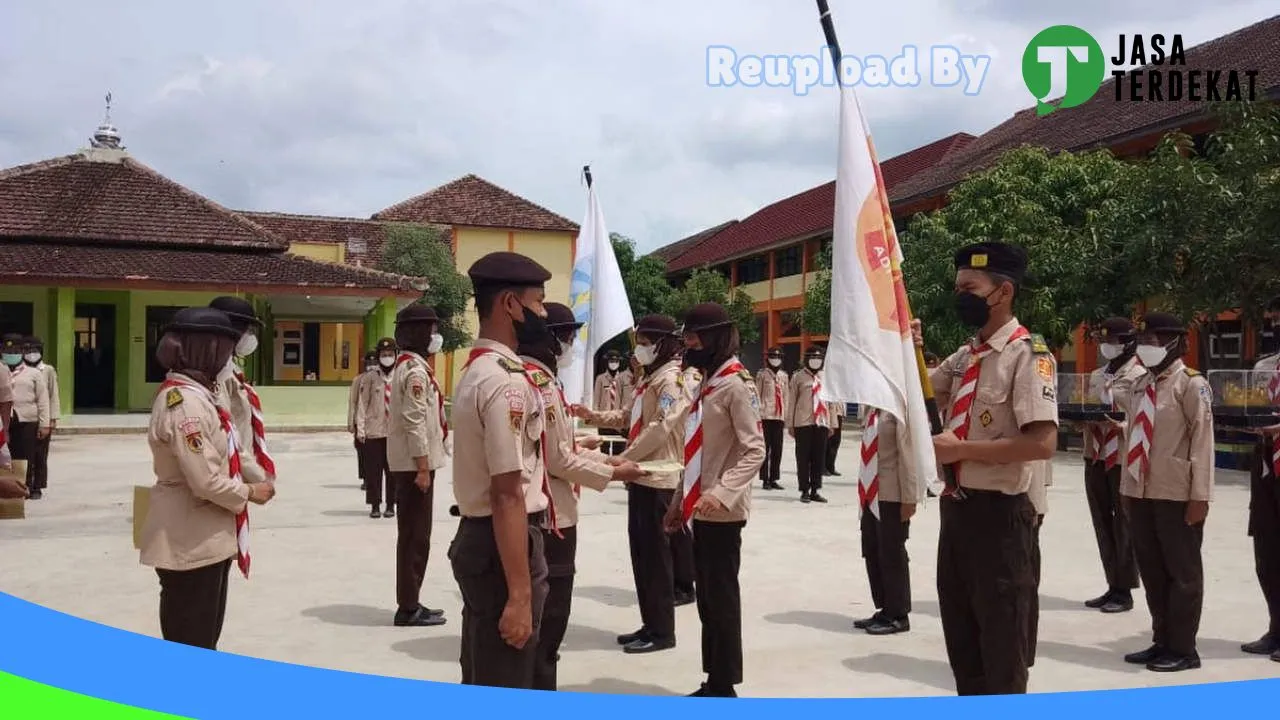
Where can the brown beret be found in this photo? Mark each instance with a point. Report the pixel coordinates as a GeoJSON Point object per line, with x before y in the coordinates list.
{"type": "Point", "coordinates": [656, 325]}
{"type": "Point", "coordinates": [996, 257]}
{"type": "Point", "coordinates": [560, 316]}
{"type": "Point", "coordinates": [384, 344]}
{"type": "Point", "coordinates": [815, 351]}
{"type": "Point", "coordinates": [417, 313]}
{"type": "Point", "coordinates": [507, 268]}
{"type": "Point", "coordinates": [1116, 328]}
{"type": "Point", "coordinates": [706, 316]}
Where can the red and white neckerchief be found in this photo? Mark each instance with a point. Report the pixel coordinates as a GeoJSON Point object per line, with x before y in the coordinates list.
{"type": "Point", "coordinates": [1142, 430]}
{"type": "Point", "coordinates": [386, 392]}
{"type": "Point", "coordinates": [259, 428]}
{"type": "Point", "coordinates": [960, 416]}
{"type": "Point", "coordinates": [564, 407]}
{"type": "Point", "coordinates": [637, 407]}
{"type": "Point", "coordinates": [1110, 445]}
{"type": "Point", "coordinates": [542, 438]}
{"type": "Point", "coordinates": [233, 466]}
{"type": "Point", "coordinates": [777, 395]}
{"type": "Point", "coordinates": [869, 474]}
{"type": "Point", "coordinates": [820, 415]}
{"type": "Point", "coordinates": [611, 387]}
{"type": "Point", "coordinates": [693, 438]}
{"type": "Point", "coordinates": [435, 387]}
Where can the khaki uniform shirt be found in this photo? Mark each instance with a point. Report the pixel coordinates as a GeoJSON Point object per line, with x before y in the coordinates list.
{"type": "Point", "coordinates": [605, 400]}
{"type": "Point", "coordinates": [51, 385]}
{"type": "Point", "coordinates": [497, 427]}
{"type": "Point", "coordinates": [235, 399]}
{"type": "Point", "coordinates": [800, 399]}
{"type": "Point", "coordinates": [893, 462]}
{"type": "Point", "coordinates": [732, 447]}
{"type": "Point", "coordinates": [627, 382]}
{"type": "Point", "coordinates": [6, 385]}
{"type": "Point", "coordinates": [1182, 447]}
{"type": "Point", "coordinates": [373, 415]}
{"type": "Point", "coordinates": [1121, 388]}
{"type": "Point", "coordinates": [663, 409]}
{"type": "Point", "coordinates": [568, 465]}
{"type": "Point", "coordinates": [1017, 386]}
{"type": "Point", "coordinates": [1041, 481]}
{"type": "Point", "coordinates": [30, 396]}
{"type": "Point", "coordinates": [415, 430]}
{"type": "Point", "coordinates": [191, 519]}
{"type": "Point", "coordinates": [353, 397]}
{"type": "Point", "coordinates": [771, 386]}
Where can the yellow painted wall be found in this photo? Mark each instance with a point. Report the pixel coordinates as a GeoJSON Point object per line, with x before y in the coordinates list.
{"type": "Point", "coordinates": [758, 292]}
{"type": "Point", "coordinates": [787, 286]}
{"type": "Point", "coordinates": [333, 337]}
{"type": "Point", "coordinates": [327, 252]}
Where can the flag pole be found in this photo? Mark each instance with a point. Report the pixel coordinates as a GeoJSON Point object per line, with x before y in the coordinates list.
{"type": "Point", "coordinates": [926, 384]}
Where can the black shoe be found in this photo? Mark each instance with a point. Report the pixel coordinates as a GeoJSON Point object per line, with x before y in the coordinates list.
{"type": "Point", "coordinates": [865, 623]}
{"type": "Point", "coordinates": [1175, 663]}
{"type": "Point", "coordinates": [430, 611]}
{"type": "Point", "coordinates": [832, 473]}
{"type": "Point", "coordinates": [421, 617]}
{"type": "Point", "coordinates": [1119, 602]}
{"type": "Point", "coordinates": [363, 485]}
{"type": "Point", "coordinates": [375, 513]}
{"type": "Point", "coordinates": [1264, 645]}
{"type": "Point", "coordinates": [1142, 657]}
{"type": "Point", "coordinates": [685, 598]}
{"type": "Point", "coordinates": [725, 692]}
{"type": "Point", "coordinates": [391, 512]}
{"type": "Point", "coordinates": [1275, 656]}
{"type": "Point", "coordinates": [454, 512]}
{"type": "Point", "coordinates": [778, 486]}
{"type": "Point", "coordinates": [629, 638]}
{"type": "Point", "coordinates": [36, 494]}
{"type": "Point", "coordinates": [700, 692]}
{"type": "Point", "coordinates": [815, 497]}
{"type": "Point", "coordinates": [1099, 601]}
{"type": "Point", "coordinates": [932, 493]}
{"type": "Point", "coordinates": [889, 627]}
{"type": "Point", "coordinates": [804, 498]}
{"type": "Point", "coordinates": [647, 645]}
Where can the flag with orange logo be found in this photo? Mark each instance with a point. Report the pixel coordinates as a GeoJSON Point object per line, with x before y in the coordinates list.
{"type": "Point", "coordinates": [871, 359]}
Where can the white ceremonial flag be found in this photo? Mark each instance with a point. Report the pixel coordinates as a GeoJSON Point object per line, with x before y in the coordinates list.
{"type": "Point", "coordinates": [598, 299]}
{"type": "Point", "coordinates": [871, 359]}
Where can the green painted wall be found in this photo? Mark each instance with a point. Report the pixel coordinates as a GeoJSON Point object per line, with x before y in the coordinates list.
{"type": "Point", "coordinates": [60, 344]}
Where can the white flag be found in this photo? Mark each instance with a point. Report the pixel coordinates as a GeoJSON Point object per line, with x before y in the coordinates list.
{"type": "Point", "coordinates": [871, 359]}
{"type": "Point", "coordinates": [598, 299]}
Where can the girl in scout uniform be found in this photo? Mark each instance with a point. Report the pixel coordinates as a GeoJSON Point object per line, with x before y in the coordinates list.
{"type": "Point", "coordinates": [30, 422]}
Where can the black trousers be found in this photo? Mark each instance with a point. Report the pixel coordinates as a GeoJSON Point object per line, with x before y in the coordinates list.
{"type": "Point", "coordinates": [612, 448]}
{"type": "Point", "coordinates": [1264, 528]}
{"type": "Point", "coordinates": [22, 439]}
{"type": "Point", "coordinates": [485, 658]}
{"type": "Point", "coordinates": [1115, 547]}
{"type": "Point", "coordinates": [193, 604]}
{"type": "Point", "coordinates": [833, 446]}
{"type": "Point", "coordinates": [560, 553]}
{"type": "Point", "coordinates": [811, 456]}
{"type": "Point", "coordinates": [717, 549]}
{"type": "Point", "coordinates": [376, 474]}
{"type": "Point", "coordinates": [986, 584]}
{"type": "Point", "coordinates": [413, 536]}
{"type": "Point", "coordinates": [770, 469]}
{"type": "Point", "coordinates": [683, 568]}
{"type": "Point", "coordinates": [359, 459]}
{"type": "Point", "coordinates": [651, 559]}
{"type": "Point", "coordinates": [38, 465]}
{"type": "Point", "coordinates": [1172, 571]}
{"type": "Point", "coordinates": [1033, 618]}
{"type": "Point", "coordinates": [884, 551]}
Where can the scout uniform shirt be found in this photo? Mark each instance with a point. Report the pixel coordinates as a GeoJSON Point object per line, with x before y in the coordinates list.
{"type": "Point", "coordinates": [497, 426]}
{"type": "Point", "coordinates": [732, 447]}
{"type": "Point", "coordinates": [799, 409]}
{"type": "Point", "coordinates": [1120, 388]}
{"type": "Point", "coordinates": [353, 397]}
{"type": "Point", "coordinates": [609, 393]}
{"type": "Point", "coordinates": [1016, 387]}
{"type": "Point", "coordinates": [627, 384]}
{"type": "Point", "coordinates": [1041, 481]}
{"type": "Point", "coordinates": [1181, 457]}
{"type": "Point", "coordinates": [568, 466]}
{"type": "Point", "coordinates": [373, 413]}
{"type": "Point", "coordinates": [30, 396]}
{"type": "Point", "coordinates": [51, 385]}
{"type": "Point", "coordinates": [415, 424]}
{"type": "Point", "coordinates": [893, 464]}
{"type": "Point", "coordinates": [663, 408]}
{"type": "Point", "coordinates": [771, 387]}
{"type": "Point", "coordinates": [6, 385]}
{"type": "Point", "coordinates": [233, 397]}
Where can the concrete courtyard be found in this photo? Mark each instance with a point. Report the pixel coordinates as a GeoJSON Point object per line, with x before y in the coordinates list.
{"type": "Point", "coordinates": [323, 585]}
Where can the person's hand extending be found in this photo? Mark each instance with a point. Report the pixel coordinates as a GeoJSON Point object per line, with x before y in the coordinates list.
{"type": "Point", "coordinates": [627, 471]}
{"type": "Point", "coordinates": [12, 489]}
{"type": "Point", "coordinates": [261, 493]}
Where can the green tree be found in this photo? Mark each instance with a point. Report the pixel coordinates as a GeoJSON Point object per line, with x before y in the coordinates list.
{"type": "Point", "coordinates": [645, 277]}
{"type": "Point", "coordinates": [815, 316]}
{"type": "Point", "coordinates": [423, 251]}
{"type": "Point", "coordinates": [711, 286]}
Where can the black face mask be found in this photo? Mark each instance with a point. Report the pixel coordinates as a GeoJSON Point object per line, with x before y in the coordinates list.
{"type": "Point", "coordinates": [532, 330]}
{"type": "Point", "coordinates": [697, 358]}
{"type": "Point", "coordinates": [973, 309]}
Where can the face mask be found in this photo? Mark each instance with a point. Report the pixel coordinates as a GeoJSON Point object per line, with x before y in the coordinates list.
{"type": "Point", "coordinates": [12, 359]}
{"type": "Point", "coordinates": [1152, 355]}
{"type": "Point", "coordinates": [436, 344]}
{"type": "Point", "coordinates": [645, 355]}
{"type": "Point", "coordinates": [697, 358]}
{"type": "Point", "coordinates": [386, 361]}
{"type": "Point", "coordinates": [532, 330]}
{"type": "Point", "coordinates": [565, 357]}
{"type": "Point", "coordinates": [972, 309]}
{"type": "Point", "coordinates": [1111, 351]}
{"type": "Point", "coordinates": [370, 368]}
{"type": "Point", "coordinates": [775, 362]}
{"type": "Point", "coordinates": [613, 366]}
{"type": "Point", "coordinates": [33, 357]}
{"type": "Point", "coordinates": [815, 364]}
{"type": "Point", "coordinates": [247, 344]}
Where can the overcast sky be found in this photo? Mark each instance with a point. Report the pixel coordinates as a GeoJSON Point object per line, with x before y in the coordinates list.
{"type": "Point", "coordinates": [344, 108]}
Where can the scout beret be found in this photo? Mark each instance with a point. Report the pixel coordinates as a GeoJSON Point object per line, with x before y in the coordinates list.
{"type": "Point", "coordinates": [613, 355]}
{"type": "Point", "coordinates": [815, 351]}
{"type": "Point", "coordinates": [507, 268]}
{"type": "Point", "coordinates": [656, 325]}
{"type": "Point", "coordinates": [384, 344]}
{"type": "Point", "coordinates": [706, 316]}
{"type": "Point", "coordinates": [1159, 322]}
{"type": "Point", "coordinates": [417, 313]}
{"type": "Point", "coordinates": [371, 357]}
{"type": "Point", "coordinates": [34, 342]}
{"type": "Point", "coordinates": [996, 257]}
{"type": "Point", "coordinates": [203, 320]}
{"type": "Point", "coordinates": [1117, 328]}
{"type": "Point", "coordinates": [775, 352]}
{"type": "Point", "coordinates": [11, 340]}
{"type": "Point", "coordinates": [560, 316]}
{"type": "Point", "coordinates": [238, 309]}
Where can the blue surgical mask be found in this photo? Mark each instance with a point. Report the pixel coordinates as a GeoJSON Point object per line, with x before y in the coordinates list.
{"type": "Point", "coordinates": [12, 359]}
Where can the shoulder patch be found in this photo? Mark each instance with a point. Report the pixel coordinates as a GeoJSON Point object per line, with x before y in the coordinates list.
{"type": "Point", "coordinates": [1044, 368]}
{"type": "Point", "coordinates": [1038, 345]}
{"type": "Point", "coordinates": [173, 398]}
{"type": "Point", "coordinates": [680, 380]}
{"type": "Point", "coordinates": [1191, 372]}
{"type": "Point", "coordinates": [745, 375]}
{"type": "Point", "coordinates": [665, 401]}
{"type": "Point", "coordinates": [540, 378]}
{"type": "Point", "coordinates": [509, 365]}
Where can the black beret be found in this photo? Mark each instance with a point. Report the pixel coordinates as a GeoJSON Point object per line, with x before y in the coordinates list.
{"type": "Point", "coordinates": [815, 351]}
{"type": "Point", "coordinates": [560, 316]}
{"type": "Point", "coordinates": [775, 352]}
{"type": "Point", "coordinates": [996, 257]}
{"type": "Point", "coordinates": [203, 320]}
{"type": "Point", "coordinates": [417, 313]}
{"type": "Point", "coordinates": [1116, 328]}
{"type": "Point", "coordinates": [1159, 322]}
{"type": "Point", "coordinates": [706, 316]}
{"type": "Point", "coordinates": [613, 355]}
{"type": "Point", "coordinates": [507, 268]}
{"type": "Point", "coordinates": [238, 309]}
{"type": "Point", "coordinates": [11, 340]}
{"type": "Point", "coordinates": [656, 325]}
{"type": "Point", "coordinates": [384, 344]}
{"type": "Point", "coordinates": [371, 356]}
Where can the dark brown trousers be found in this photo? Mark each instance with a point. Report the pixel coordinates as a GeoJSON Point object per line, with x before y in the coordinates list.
{"type": "Point", "coordinates": [376, 474]}
{"type": "Point", "coordinates": [833, 445]}
{"type": "Point", "coordinates": [717, 550]}
{"type": "Point", "coordinates": [38, 465]}
{"type": "Point", "coordinates": [359, 458]}
{"type": "Point", "coordinates": [193, 604]}
{"type": "Point", "coordinates": [986, 588]}
{"type": "Point", "coordinates": [1172, 572]}
{"type": "Point", "coordinates": [413, 537]}
{"type": "Point", "coordinates": [1033, 617]}
{"type": "Point", "coordinates": [682, 562]}
{"type": "Point", "coordinates": [811, 456]}
{"type": "Point", "coordinates": [651, 559]}
{"type": "Point", "coordinates": [884, 551]}
{"type": "Point", "coordinates": [1102, 490]}
{"type": "Point", "coordinates": [485, 658]}
{"type": "Point", "coordinates": [1264, 528]}
{"type": "Point", "coordinates": [560, 553]}
{"type": "Point", "coordinates": [22, 439]}
{"type": "Point", "coordinates": [771, 468]}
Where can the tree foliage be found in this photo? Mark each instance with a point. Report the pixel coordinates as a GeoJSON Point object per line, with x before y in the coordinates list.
{"type": "Point", "coordinates": [645, 277]}
{"type": "Point", "coordinates": [711, 286]}
{"type": "Point", "coordinates": [815, 316]}
{"type": "Point", "coordinates": [423, 251]}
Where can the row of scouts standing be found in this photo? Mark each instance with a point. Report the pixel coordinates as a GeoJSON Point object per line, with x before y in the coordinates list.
{"type": "Point", "coordinates": [29, 405]}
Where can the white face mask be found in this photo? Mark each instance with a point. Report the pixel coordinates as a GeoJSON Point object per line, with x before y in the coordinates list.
{"type": "Point", "coordinates": [1111, 351]}
{"type": "Point", "coordinates": [565, 358]}
{"type": "Point", "coordinates": [645, 354]}
{"type": "Point", "coordinates": [33, 357]}
{"type": "Point", "coordinates": [246, 345]}
{"type": "Point", "coordinates": [386, 361]}
{"type": "Point", "coordinates": [775, 362]}
{"type": "Point", "coordinates": [1152, 355]}
{"type": "Point", "coordinates": [815, 364]}
{"type": "Point", "coordinates": [437, 343]}
{"type": "Point", "coordinates": [613, 366]}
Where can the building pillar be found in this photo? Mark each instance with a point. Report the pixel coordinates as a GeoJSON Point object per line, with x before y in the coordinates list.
{"type": "Point", "coordinates": [381, 321]}
{"type": "Point", "coordinates": [60, 344]}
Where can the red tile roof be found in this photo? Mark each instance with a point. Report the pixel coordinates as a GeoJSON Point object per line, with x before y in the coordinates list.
{"type": "Point", "coordinates": [1102, 121]}
{"type": "Point", "coordinates": [472, 200]}
{"type": "Point", "coordinates": [106, 196]}
{"type": "Point", "coordinates": [808, 213]}
{"type": "Point", "coordinates": [364, 239]}
{"type": "Point", "coordinates": [667, 253]}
